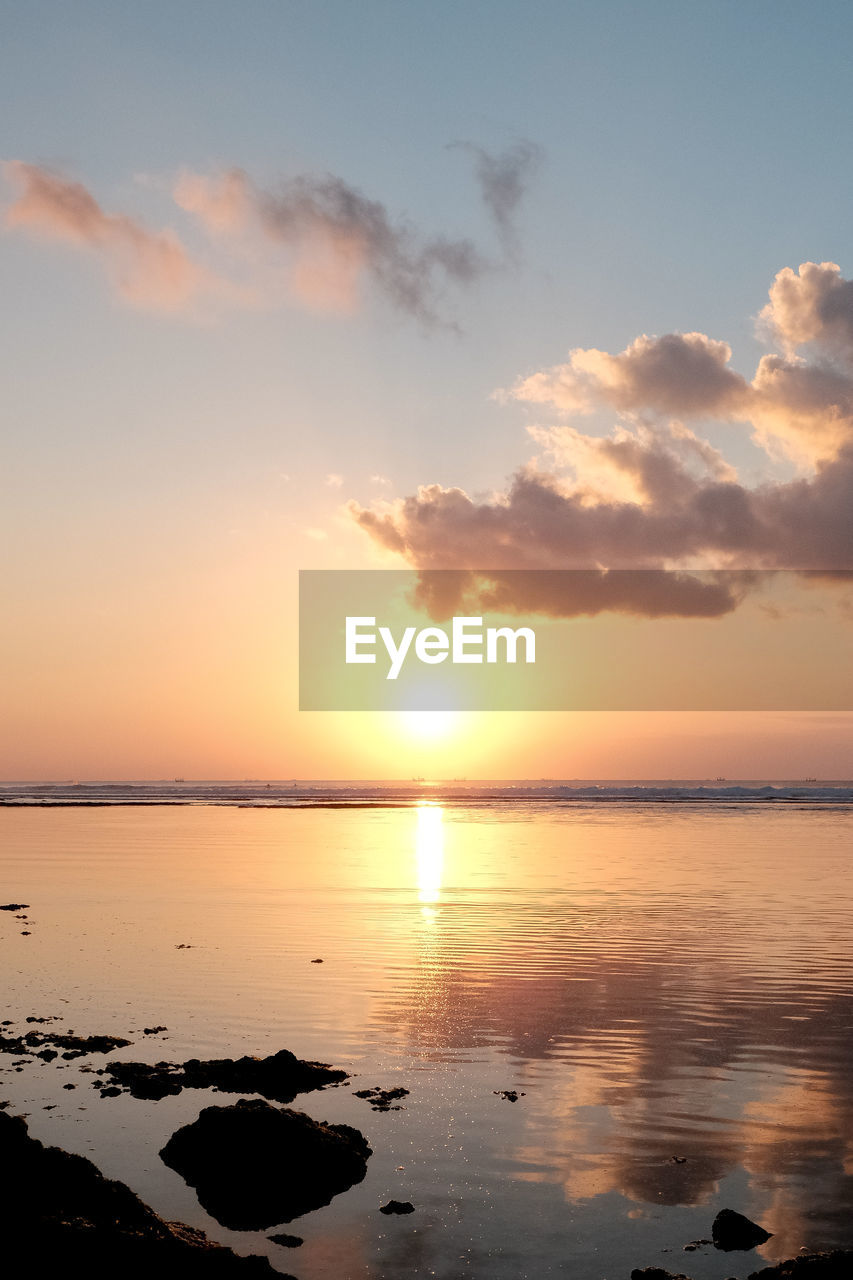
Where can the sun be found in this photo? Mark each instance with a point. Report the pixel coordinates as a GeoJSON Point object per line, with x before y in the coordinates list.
{"type": "Point", "coordinates": [429, 726]}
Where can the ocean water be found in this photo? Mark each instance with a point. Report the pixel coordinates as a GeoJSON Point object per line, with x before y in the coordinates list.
{"type": "Point", "coordinates": [664, 972]}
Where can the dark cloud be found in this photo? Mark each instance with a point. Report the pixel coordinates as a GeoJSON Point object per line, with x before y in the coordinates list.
{"type": "Point", "coordinates": [556, 593]}
{"type": "Point", "coordinates": [504, 179]}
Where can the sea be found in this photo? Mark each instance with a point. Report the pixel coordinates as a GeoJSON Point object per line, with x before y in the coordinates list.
{"type": "Point", "coordinates": [662, 972]}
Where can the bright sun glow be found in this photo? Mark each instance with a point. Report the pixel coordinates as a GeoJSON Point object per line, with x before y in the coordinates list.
{"type": "Point", "coordinates": [429, 724]}
{"type": "Point", "coordinates": [429, 852]}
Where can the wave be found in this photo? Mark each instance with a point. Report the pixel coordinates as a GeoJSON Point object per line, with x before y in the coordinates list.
{"type": "Point", "coordinates": [301, 794]}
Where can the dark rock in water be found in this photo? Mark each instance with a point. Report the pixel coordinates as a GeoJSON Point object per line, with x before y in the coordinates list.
{"type": "Point", "coordinates": [382, 1099]}
{"type": "Point", "coordinates": [837, 1265]}
{"type": "Point", "coordinates": [656, 1273]}
{"type": "Point", "coordinates": [15, 906]}
{"type": "Point", "coordinates": [72, 1046]}
{"type": "Point", "coordinates": [287, 1242]}
{"type": "Point", "coordinates": [733, 1231]}
{"type": "Point", "coordinates": [153, 1031]}
{"type": "Point", "coordinates": [318, 961]}
{"type": "Point", "coordinates": [58, 1215]}
{"type": "Point", "coordinates": [279, 1077]}
{"type": "Point", "coordinates": [254, 1165]}
{"type": "Point", "coordinates": [510, 1095]}
{"type": "Point", "coordinates": [79, 1046]}
{"type": "Point", "coordinates": [397, 1206]}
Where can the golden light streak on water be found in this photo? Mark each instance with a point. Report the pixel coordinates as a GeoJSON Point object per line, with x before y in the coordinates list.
{"type": "Point", "coordinates": [429, 855]}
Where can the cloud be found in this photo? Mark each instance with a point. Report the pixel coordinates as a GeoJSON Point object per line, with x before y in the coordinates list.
{"type": "Point", "coordinates": [317, 241]}
{"type": "Point", "coordinates": [503, 181]}
{"type": "Point", "coordinates": [150, 269]}
{"type": "Point", "coordinates": [653, 494]}
{"type": "Point", "coordinates": [813, 305]}
{"type": "Point", "coordinates": [679, 373]}
{"type": "Point", "coordinates": [337, 238]}
{"type": "Point", "coordinates": [653, 593]}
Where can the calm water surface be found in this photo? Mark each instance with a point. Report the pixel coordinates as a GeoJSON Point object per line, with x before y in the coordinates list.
{"type": "Point", "coordinates": [659, 980]}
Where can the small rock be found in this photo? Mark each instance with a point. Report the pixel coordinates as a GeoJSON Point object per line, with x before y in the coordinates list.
{"type": "Point", "coordinates": [286, 1241]}
{"type": "Point", "coordinates": [397, 1206]}
{"type": "Point", "coordinates": [382, 1099]}
{"type": "Point", "coordinates": [316, 961]}
{"type": "Point", "coordinates": [733, 1231]}
{"type": "Point", "coordinates": [656, 1273]}
{"type": "Point", "coordinates": [511, 1095]}
{"type": "Point", "coordinates": [15, 906]}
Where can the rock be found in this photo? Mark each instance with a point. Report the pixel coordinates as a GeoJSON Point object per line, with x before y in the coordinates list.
{"type": "Point", "coordinates": [58, 1214]}
{"type": "Point", "coordinates": [72, 1046]}
{"type": "Point", "coordinates": [656, 1273]}
{"type": "Point", "coordinates": [837, 1265]}
{"type": "Point", "coordinates": [254, 1165]}
{"type": "Point", "coordinates": [153, 1031]}
{"type": "Point", "coordinates": [397, 1206]}
{"type": "Point", "coordinates": [15, 906]}
{"type": "Point", "coordinates": [287, 1242]}
{"type": "Point", "coordinates": [279, 1077]}
{"type": "Point", "coordinates": [733, 1231]}
{"type": "Point", "coordinates": [318, 961]}
{"type": "Point", "coordinates": [511, 1095]}
{"type": "Point", "coordinates": [382, 1099]}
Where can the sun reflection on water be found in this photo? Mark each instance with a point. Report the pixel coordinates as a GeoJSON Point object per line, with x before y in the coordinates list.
{"type": "Point", "coordinates": [429, 853]}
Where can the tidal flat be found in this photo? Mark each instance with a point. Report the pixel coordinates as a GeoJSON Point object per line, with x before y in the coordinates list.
{"type": "Point", "coordinates": [596, 1021]}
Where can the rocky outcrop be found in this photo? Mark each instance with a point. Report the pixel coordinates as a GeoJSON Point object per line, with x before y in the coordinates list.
{"type": "Point", "coordinates": [837, 1265]}
{"type": "Point", "coordinates": [279, 1077]}
{"type": "Point", "coordinates": [254, 1165]}
{"type": "Point", "coordinates": [732, 1230]}
{"type": "Point", "coordinates": [59, 1214]}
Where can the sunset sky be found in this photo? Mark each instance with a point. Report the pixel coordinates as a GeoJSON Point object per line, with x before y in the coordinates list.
{"type": "Point", "coordinates": [346, 286]}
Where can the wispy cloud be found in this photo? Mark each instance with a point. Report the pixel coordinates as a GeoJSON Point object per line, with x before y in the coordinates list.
{"type": "Point", "coordinates": [315, 241]}
{"type": "Point", "coordinates": [337, 239]}
{"type": "Point", "coordinates": [504, 179]}
{"type": "Point", "coordinates": [149, 268]}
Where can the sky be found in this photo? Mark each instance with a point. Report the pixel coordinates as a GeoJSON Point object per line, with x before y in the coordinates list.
{"type": "Point", "coordinates": [303, 286]}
